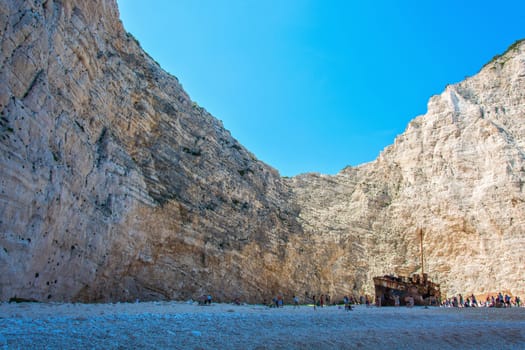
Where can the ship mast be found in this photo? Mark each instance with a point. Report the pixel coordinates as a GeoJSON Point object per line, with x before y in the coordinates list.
{"type": "Point", "coordinates": [421, 250]}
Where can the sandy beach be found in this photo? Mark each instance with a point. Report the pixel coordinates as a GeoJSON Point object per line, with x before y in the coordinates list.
{"type": "Point", "coordinates": [183, 325]}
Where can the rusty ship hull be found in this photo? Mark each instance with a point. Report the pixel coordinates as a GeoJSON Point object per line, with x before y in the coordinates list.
{"type": "Point", "coordinates": [415, 290]}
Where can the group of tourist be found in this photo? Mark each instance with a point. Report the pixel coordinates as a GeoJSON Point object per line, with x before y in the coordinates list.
{"type": "Point", "coordinates": [278, 301]}
{"type": "Point", "coordinates": [321, 301]}
{"type": "Point", "coordinates": [498, 300]}
{"type": "Point", "coordinates": [205, 299]}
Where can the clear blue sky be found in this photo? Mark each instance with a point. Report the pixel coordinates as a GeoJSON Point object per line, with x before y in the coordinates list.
{"type": "Point", "coordinates": [314, 86]}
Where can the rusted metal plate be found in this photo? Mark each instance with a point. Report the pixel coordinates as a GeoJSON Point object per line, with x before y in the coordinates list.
{"type": "Point", "coordinates": [401, 290]}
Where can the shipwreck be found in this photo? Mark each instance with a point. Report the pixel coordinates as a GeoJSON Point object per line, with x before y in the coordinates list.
{"type": "Point", "coordinates": [401, 290]}
{"type": "Point", "coordinates": [417, 289]}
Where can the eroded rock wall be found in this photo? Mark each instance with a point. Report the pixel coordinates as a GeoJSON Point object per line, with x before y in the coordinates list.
{"type": "Point", "coordinates": [114, 185]}
{"type": "Point", "coordinates": [457, 173]}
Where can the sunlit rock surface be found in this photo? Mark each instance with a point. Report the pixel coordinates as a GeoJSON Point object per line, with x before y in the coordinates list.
{"type": "Point", "coordinates": [114, 185]}
{"type": "Point", "coordinates": [457, 173]}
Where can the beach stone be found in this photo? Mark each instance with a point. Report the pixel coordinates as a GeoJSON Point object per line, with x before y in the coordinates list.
{"type": "Point", "coordinates": [3, 342]}
{"type": "Point", "coordinates": [116, 186]}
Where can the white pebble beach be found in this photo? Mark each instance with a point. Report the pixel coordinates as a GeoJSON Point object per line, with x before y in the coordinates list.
{"type": "Point", "coordinates": [185, 325]}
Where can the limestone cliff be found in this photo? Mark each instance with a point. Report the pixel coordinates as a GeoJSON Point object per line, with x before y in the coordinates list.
{"type": "Point", "coordinates": [114, 185]}
{"type": "Point", "coordinates": [457, 173]}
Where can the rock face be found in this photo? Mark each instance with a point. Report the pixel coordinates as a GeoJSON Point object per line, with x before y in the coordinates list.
{"type": "Point", "coordinates": [114, 185]}
{"type": "Point", "coordinates": [457, 173]}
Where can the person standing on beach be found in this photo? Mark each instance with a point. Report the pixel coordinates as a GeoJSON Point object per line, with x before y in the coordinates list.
{"type": "Point", "coordinates": [313, 297]}
{"type": "Point", "coordinates": [473, 300]}
{"type": "Point", "coordinates": [396, 300]}
{"type": "Point", "coordinates": [279, 300]}
{"type": "Point", "coordinates": [507, 300]}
